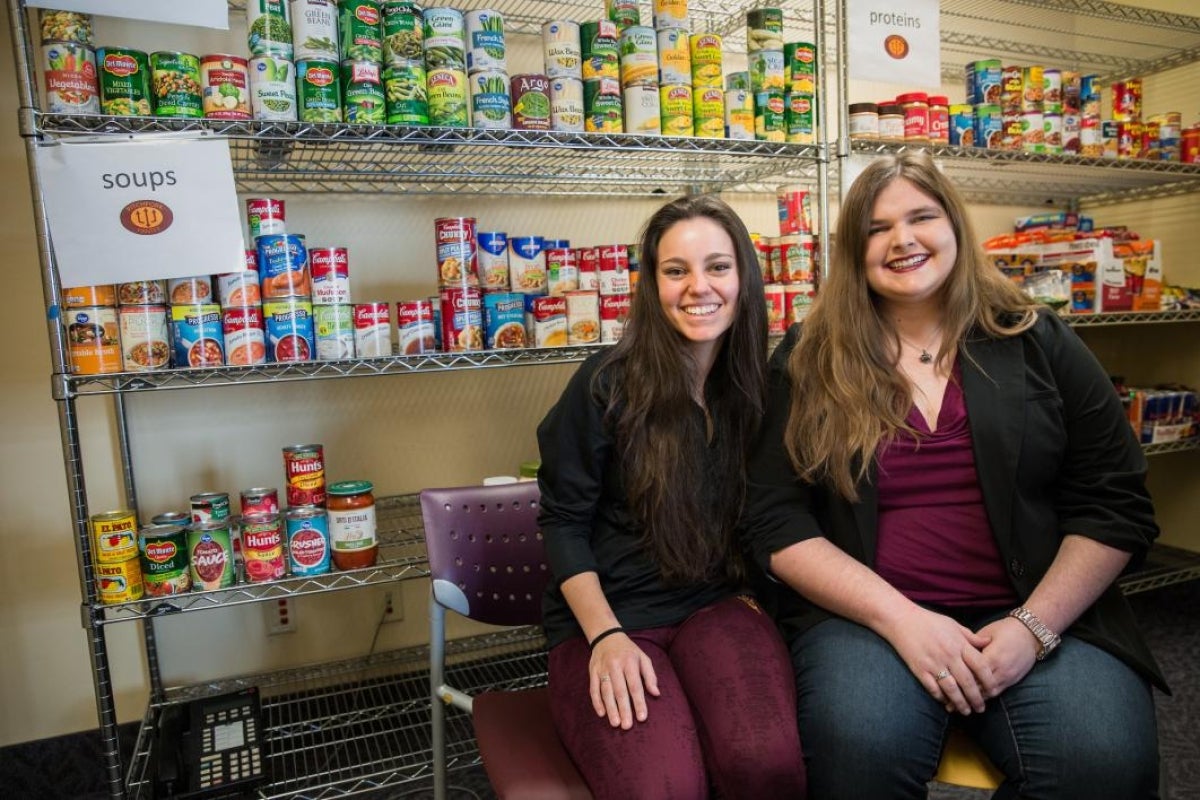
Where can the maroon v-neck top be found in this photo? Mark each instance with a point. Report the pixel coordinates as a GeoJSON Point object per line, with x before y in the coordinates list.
{"type": "Point", "coordinates": [935, 543]}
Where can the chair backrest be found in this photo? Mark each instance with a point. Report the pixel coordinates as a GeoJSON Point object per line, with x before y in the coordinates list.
{"type": "Point", "coordinates": [486, 556]}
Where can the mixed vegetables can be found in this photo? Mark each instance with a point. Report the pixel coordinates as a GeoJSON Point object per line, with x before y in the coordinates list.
{"type": "Point", "coordinates": [124, 75]}
{"type": "Point", "coordinates": [70, 71]}
{"type": "Point", "coordinates": [177, 90]}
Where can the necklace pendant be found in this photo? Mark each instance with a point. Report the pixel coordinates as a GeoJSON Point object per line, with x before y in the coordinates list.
{"type": "Point", "coordinates": [925, 357]}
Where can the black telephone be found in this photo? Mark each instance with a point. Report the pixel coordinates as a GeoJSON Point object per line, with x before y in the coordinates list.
{"type": "Point", "coordinates": [211, 747]}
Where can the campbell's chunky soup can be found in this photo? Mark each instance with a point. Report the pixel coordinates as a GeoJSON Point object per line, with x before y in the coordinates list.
{"type": "Point", "coordinates": [304, 468]}
{"type": "Point", "coordinates": [93, 340]}
{"type": "Point", "coordinates": [307, 531]}
{"type": "Point", "coordinates": [164, 560]}
{"type": "Point", "coordinates": [458, 263]}
{"type": "Point", "coordinates": [291, 333]}
{"type": "Point", "coordinates": [262, 547]}
{"type": "Point", "coordinates": [462, 319]}
{"type": "Point", "coordinates": [210, 553]}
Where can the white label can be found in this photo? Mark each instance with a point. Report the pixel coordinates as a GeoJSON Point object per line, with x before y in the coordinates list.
{"type": "Point", "coordinates": [486, 51]}
{"type": "Point", "coordinates": [560, 46]}
{"type": "Point", "coordinates": [273, 88]}
{"type": "Point", "coordinates": [314, 29]}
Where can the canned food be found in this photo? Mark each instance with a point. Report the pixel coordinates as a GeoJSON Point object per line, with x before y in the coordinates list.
{"type": "Point", "coordinates": [289, 330]}
{"type": "Point", "coordinates": [531, 102]}
{"type": "Point", "coordinates": [738, 80]}
{"type": "Point", "coordinates": [307, 531]}
{"type": "Point", "coordinates": [164, 562]}
{"type": "Point", "coordinates": [795, 259]}
{"type": "Point", "coordinates": [566, 105]}
{"type": "Point", "coordinates": [114, 536]}
{"type": "Point", "coordinates": [444, 40]}
{"type": "Point", "coordinates": [583, 318]}
{"type": "Point", "coordinates": [776, 313]}
{"type": "Point", "coordinates": [272, 88]}
{"type": "Point", "coordinates": [798, 119]}
{"type": "Point", "coordinates": [314, 29]}
{"type": "Point", "coordinates": [624, 13]}
{"type": "Point", "coordinates": [1033, 89]}
{"type": "Point", "coordinates": [330, 275]}
{"type": "Point", "coordinates": [225, 81]}
{"type": "Point", "coordinates": [490, 106]}
{"type": "Point", "coordinates": [639, 58]}
{"type": "Point", "coordinates": [177, 87]}
{"type": "Point", "coordinates": [1127, 100]}
{"type": "Point", "coordinates": [262, 547]}
{"type": "Point", "coordinates": [65, 26]}
{"type": "Point", "coordinates": [598, 47]}
{"type": "Point", "coordinates": [199, 337]}
{"type": "Point", "coordinates": [265, 215]}
{"type": "Point", "coordinates": [708, 113]}
{"type": "Point", "coordinates": [304, 468]}
{"type": "Point", "coordinates": [1052, 95]}
{"type": "Point", "coordinates": [793, 204]}
{"type": "Point", "coordinates": [614, 311]}
{"type": "Point", "coordinates": [403, 33]}
{"type": "Point", "coordinates": [237, 289]}
{"type": "Point", "coordinates": [362, 93]}
{"type": "Point", "coordinates": [353, 538]}
{"type": "Point", "coordinates": [447, 94]}
{"type": "Point", "coordinates": [318, 90]}
{"type": "Point", "coordinates": [562, 271]}
{"type": "Point", "coordinates": [372, 330]}
{"type": "Point", "coordinates": [674, 57]}
{"type": "Point", "coordinates": [244, 335]}
{"type": "Point", "coordinates": [93, 340]}
{"type": "Point", "coordinates": [124, 76]}
{"type": "Point", "coordinates": [546, 320]}
{"type": "Point", "coordinates": [486, 51]}
{"type": "Point", "coordinates": [527, 264]}
{"type": "Point", "coordinates": [800, 67]}
{"type": "Point", "coordinates": [78, 296]}
{"type": "Point", "coordinates": [282, 265]}
{"type": "Point", "coordinates": [504, 320]}
{"type": "Point", "coordinates": [334, 325]}
{"type": "Point", "coordinates": [359, 24]}
{"type": "Point", "coordinates": [764, 29]}
{"type": "Point", "coordinates": [259, 500]}
{"type": "Point", "coordinates": [210, 506]}
{"type": "Point", "coordinates": [406, 94]}
{"type": "Point", "coordinates": [492, 258]}
{"type": "Point", "coordinates": [797, 301]}
{"type": "Point", "coordinates": [119, 582]}
{"type": "Point", "coordinates": [145, 344]}
{"type": "Point", "coordinates": [457, 262]}
{"type": "Point", "coordinates": [642, 112]}
{"type": "Point", "coordinates": [602, 112]}
{"type": "Point", "coordinates": [71, 82]}
{"type": "Point", "coordinates": [210, 554]}
{"type": "Point", "coordinates": [417, 327]}
{"type": "Point", "coordinates": [561, 49]}
{"type": "Point", "coordinates": [675, 104]}
{"type": "Point", "coordinates": [180, 518]}
{"type": "Point", "coordinates": [462, 318]}
{"type": "Point", "coordinates": [269, 28]}
{"type": "Point", "coordinates": [670, 14]}
{"type": "Point", "coordinates": [739, 114]}
{"type": "Point", "coordinates": [706, 60]}
{"type": "Point", "coordinates": [196, 289]}
{"type": "Point", "coordinates": [613, 263]}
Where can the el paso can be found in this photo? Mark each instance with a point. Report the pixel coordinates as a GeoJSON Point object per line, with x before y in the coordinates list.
{"type": "Point", "coordinates": [307, 532]}
{"type": "Point", "coordinates": [304, 468]}
{"type": "Point", "coordinates": [262, 546]}
{"type": "Point", "coordinates": [124, 76]}
{"type": "Point", "coordinates": [114, 536]}
{"type": "Point", "coordinates": [165, 569]}
{"type": "Point", "coordinates": [329, 268]}
{"type": "Point", "coordinates": [120, 581]}
{"type": "Point", "coordinates": [210, 554]}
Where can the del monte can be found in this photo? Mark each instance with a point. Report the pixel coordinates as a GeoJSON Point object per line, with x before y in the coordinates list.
{"type": "Point", "coordinates": [124, 82]}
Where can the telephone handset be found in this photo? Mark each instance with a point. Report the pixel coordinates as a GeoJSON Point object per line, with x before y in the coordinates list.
{"type": "Point", "coordinates": [209, 746]}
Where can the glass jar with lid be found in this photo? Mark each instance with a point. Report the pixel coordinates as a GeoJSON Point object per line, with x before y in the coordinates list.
{"type": "Point", "coordinates": [891, 123]}
{"type": "Point", "coordinates": [864, 121]}
{"type": "Point", "coordinates": [353, 541]}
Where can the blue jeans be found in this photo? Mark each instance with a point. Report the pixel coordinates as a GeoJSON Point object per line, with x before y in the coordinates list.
{"type": "Point", "coordinates": [1080, 725]}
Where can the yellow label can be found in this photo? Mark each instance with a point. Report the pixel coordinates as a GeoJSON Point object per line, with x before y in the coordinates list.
{"type": "Point", "coordinates": [114, 536]}
{"type": "Point", "coordinates": [675, 103]}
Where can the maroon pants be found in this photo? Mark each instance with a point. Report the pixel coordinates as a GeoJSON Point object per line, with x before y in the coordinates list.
{"type": "Point", "coordinates": [726, 713]}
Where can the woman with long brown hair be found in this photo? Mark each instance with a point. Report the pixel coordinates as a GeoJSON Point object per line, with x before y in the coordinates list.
{"type": "Point", "coordinates": [948, 483]}
{"type": "Point", "coordinates": [665, 676]}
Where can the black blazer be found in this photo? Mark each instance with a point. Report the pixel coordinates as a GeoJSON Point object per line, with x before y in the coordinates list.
{"type": "Point", "coordinates": [1054, 454]}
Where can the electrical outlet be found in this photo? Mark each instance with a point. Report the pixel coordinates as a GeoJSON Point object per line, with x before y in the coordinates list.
{"type": "Point", "coordinates": [393, 606]}
{"type": "Point", "coordinates": [281, 616]}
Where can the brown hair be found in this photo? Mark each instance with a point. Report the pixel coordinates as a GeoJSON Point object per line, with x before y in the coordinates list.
{"type": "Point", "coordinates": [848, 397]}
{"type": "Point", "coordinates": [685, 491]}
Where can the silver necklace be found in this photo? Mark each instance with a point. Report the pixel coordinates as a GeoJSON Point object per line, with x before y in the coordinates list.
{"type": "Point", "coordinates": [926, 357]}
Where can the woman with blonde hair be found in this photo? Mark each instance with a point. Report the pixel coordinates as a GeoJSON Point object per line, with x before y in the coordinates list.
{"type": "Point", "coordinates": [947, 482]}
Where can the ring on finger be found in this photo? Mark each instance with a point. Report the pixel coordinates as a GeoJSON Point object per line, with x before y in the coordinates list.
{"type": "Point", "coordinates": [945, 673]}
{"type": "Point", "coordinates": [605, 678]}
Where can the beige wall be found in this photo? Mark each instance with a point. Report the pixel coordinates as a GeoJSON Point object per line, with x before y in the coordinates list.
{"type": "Point", "coordinates": [403, 432]}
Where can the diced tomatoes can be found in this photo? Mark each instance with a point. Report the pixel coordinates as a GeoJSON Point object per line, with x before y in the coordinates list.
{"type": "Point", "coordinates": [417, 327]}
{"type": "Point", "coordinates": [372, 329]}
{"type": "Point", "coordinates": [265, 216]}
{"type": "Point", "coordinates": [262, 547]}
{"type": "Point", "coordinates": [283, 266]}
{"type": "Point", "coordinates": [291, 334]}
{"type": "Point", "coordinates": [260, 499]}
{"type": "Point", "coordinates": [504, 320]}
{"type": "Point", "coordinates": [114, 536]}
{"type": "Point", "coordinates": [546, 320]}
{"type": "Point", "coordinates": [334, 326]}
{"type": "Point", "coordinates": [330, 273]}
{"type": "Point", "coordinates": [164, 560]}
{"type": "Point", "coordinates": [583, 318]}
{"type": "Point", "coordinates": [304, 469]}
{"type": "Point", "coordinates": [71, 83]}
{"type": "Point", "coordinates": [210, 555]}
{"type": "Point", "coordinates": [462, 318]}
{"type": "Point", "coordinates": [93, 340]}
{"type": "Point", "coordinates": [225, 82]}
{"type": "Point", "coordinates": [145, 340]}
{"type": "Point", "coordinates": [307, 531]}
{"type": "Point", "coordinates": [198, 334]}
{"type": "Point", "coordinates": [614, 311]}
{"type": "Point", "coordinates": [244, 335]}
{"type": "Point", "coordinates": [119, 581]}
{"type": "Point", "coordinates": [124, 76]}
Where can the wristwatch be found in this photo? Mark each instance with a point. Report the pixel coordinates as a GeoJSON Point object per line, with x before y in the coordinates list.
{"type": "Point", "coordinates": [1046, 637]}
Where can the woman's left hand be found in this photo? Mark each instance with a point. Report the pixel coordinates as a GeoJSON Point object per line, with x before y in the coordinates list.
{"type": "Point", "coordinates": [1011, 653]}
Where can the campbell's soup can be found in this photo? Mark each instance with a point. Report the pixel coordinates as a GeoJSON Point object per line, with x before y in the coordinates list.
{"type": "Point", "coordinates": [504, 320]}
{"type": "Point", "coordinates": [93, 340]}
{"type": "Point", "coordinates": [458, 263]}
{"type": "Point", "coordinates": [329, 268]}
{"type": "Point", "coordinates": [244, 335]}
{"type": "Point", "coordinates": [527, 264]}
{"type": "Point", "coordinates": [614, 311]}
{"type": "Point", "coordinates": [546, 320]}
{"type": "Point", "coordinates": [776, 312]}
{"type": "Point", "coordinates": [372, 330]}
{"type": "Point", "coordinates": [237, 289]}
{"type": "Point", "coordinates": [71, 83]}
{"type": "Point", "coordinates": [334, 326]}
{"type": "Point", "coordinates": [120, 581]}
{"type": "Point", "coordinates": [262, 547]}
{"type": "Point", "coordinates": [583, 318]}
{"type": "Point", "coordinates": [562, 271]}
{"type": "Point", "coordinates": [114, 536]}
{"type": "Point", "coordinates": [164, 560]}
{"type": "Point", "coordinates": [614, 269]}
{"type": "Point", "coordinates": [304, 469]}
{"type": "Point", "coordinates": [283, 266]}
{"type": "Point", "coordinates": [145, 340]}
{"type": "Point", "coordinates": [462, 319]}
{"type": "Point", "coordinates": [291, 335]}
{"type": "Point", "coordinates": [588, 259]}
{"type": "Point", "coordinates": [307, 532]}
{"type": "Point", "coordinates": [531, 102]}
{"type": "Point", "coordinates": [210, 553]}
{"type": "Point", "coordinates": [260, 500]}
{"type": "Point", "coordinates": [225, 82]}
{"type": "Point", "coordinates": [417, 327]}
{"type": "Point", "coordinates": [265, 216]}
{"type": "Point", "coordinates": [209, 506]}
{"type": "Point", "coordinates": [492, 256]}
{"type": "Point", "coordinates": [1189, 145]}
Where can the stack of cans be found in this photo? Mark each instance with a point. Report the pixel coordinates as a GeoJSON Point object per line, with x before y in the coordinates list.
{"type": "Point", "coordinates": [271, 66]}
{"type": "Point", "coordinates": [317, 54]}
{"type": "Point", "coordinates": [765, 57]}
{"type": "Point", "coordinates": [487, 70]}
{"type": "Point", "coordinates": [563, 57]}
{"type": "Point", "coordinates": [445, 50]}
{"type": "Point", "coordinates": [601, 71]}
{"type": "Point", "coordinates": [360, 31]}
{"type": "Point", "coordinates": [69, 63]}
{"type": "Point", "coordinates": [284, 282]}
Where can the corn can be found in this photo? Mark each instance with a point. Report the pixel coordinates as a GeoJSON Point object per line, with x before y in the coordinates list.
{"type": "Point", "coordinates": [602, 109]}
{"type": "Point", "coordinates": [800, 67]}
{"type": "Point", "coordinates": [675, 110]}
{"type": "Point", "coordinates": [669, 14]}
{"type": "Point", "coordinates": [639, 57]}
{"type": "Point", "coordinates": [708, 113]}
{"type": "Point", "coordinates": [707, 62]}
{"type": "Point", "coordinates": [739, 114]}
{"type": "Point", "coordinates": [799, 118]}
{"type": "Point", "coordinates": [770, 116]}
{"type": "Point", "coordinates": [599, 49]}
{"type": "Point", "coordinates": [674, 57]}
{"type": "Point", "coordinates": [766, 70]}
{"type": "Point", "coordinates": [642, 112]}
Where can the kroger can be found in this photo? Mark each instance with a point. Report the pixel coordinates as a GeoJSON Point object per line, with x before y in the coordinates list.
{"type": "Point", "coordinates": [372, 330]}
{"type": "Point", "coordinates": [307, 532]}
{"type": "Point", "coordinates": [360, 29]}
{"type": "Point", "coordinates": [114, 536]}
{"type": "Point", "coordinates": [177, 87]}
{"type": "Point", "coordinates": [225, 82]}
{"type": "Point", "coordinates": [362, 93]}
{"type": "Point", "coordinates": [119, 582]}
{"type": "Point", "coordinates": [531, 102]}
{"type": "Point", "coordinates": [198, 336]}
{"type": "Point", "coordinates": [416, 327]}
{"type": "Point", "coordinates": [318, 90]}
{"type": "Point", "coordinates": [269, 28]}
{"type": "Point", "coordinates": [93, 340]}
{"type": "Point", "coordinates": [674, 57]}
{"type": "Point", "coordinates": [289, 328]}
{"type": "Point", "coordinates": [486, 50]}
{"type": "Point", "coordinates": [566, 105]}
{"type": "Point", "coordinates": [262, 547]}
{"type": "Point", "coordinates": [406, 94]}
{"type": "Point", "coordinates": [492, 256]}
{"type": "Point", "coordinates": [403, 33]}
{"type": "Point", "coordinates": [448, 97]}
{"type": "Point", "coordinates": [334, 325]}
{"type": "Point", "coordinates": [304, 469]}
{"type": "Point", "coordinates": [739, 114]}
{"type": "Point", "coordinates": [561, 49]}
{"type": "Point", "coordinates": [314, 29]}
{"type": "Point", "coordinates": [244, 334]}
{"type": "Point", "coordinates": [124, 76]}
{"type": "Point", "coordinates": [71, 81]}
{"type": "Point", "coordinates": [675, 104]}
{"type": "Point", "coordinates": [164, 560]}
{"type": "Point", "coordinates": [490, 106]}
{"type": "Point", "coordinates": [210, 551]}
{"type": "Point", "coordinates": [273, 88]}
{"type": "Point", "coordinates": [330, 275]}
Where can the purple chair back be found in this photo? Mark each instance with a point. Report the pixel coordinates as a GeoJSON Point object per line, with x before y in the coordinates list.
{"type": "Point", "coordinates": [486, 557]}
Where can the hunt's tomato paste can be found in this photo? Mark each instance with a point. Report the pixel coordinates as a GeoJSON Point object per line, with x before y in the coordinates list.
{"type": "Point", "coordinates": [262, 547]}
{"type": "Point", "coordinates": [165, 569]}
{"type": "Point", "coordinates": [114, 536]}
{"type": "Point", "coordinates": [307, 531]}
{"type": "Point", "coordinates": [330, 271]}
{"type": "Point", "coordinates": [210, 553]}
{"type": "Point", "coordinates": [457, 260]}
{"type": "Point", "coordinates": [304, 467]}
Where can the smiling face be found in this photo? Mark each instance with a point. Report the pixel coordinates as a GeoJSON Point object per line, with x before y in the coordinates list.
{"type": "Point", "coordinates": [911, 246]}
{"type": "Point", "coordinates": [698, 282]}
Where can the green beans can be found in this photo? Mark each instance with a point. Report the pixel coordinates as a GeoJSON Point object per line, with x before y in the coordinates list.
{"type": "Point", "coordinates": [403, 33]}
{"type": "Point", "coordinates": [362, 93]}
{"type": "Point", "coordinates": [445, 39]}
{"type": "Point", "coordinates": [314, 29]}
{"type": "Point", "coordinates": [448, 102]}
{"type": "Point", "coordinates": [269, 28]}
{"type": "Point", "coordinates": [318, 90]}
{"type": "Point", "coordinates": [124, 82]}
{"type": "Point", "coordinates": [486, 48]}
{"type": "Point", "coordinates": [406, 96]}
{"type": "Point", "coordinates": [273, 88]}
{"type": "Point", "coordinates": [360, 30]}
{"type": "Point", "coordinates": [176, 79]}
{"type": "Point", "coordinates": [490, 105]}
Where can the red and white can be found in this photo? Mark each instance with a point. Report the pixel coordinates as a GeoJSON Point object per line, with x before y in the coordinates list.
{"type": "Point", "coordinates": [372, 330]}
{"type": "Point", "coordinates": [265, 216]}
{"type": "Point", "coordinates": [614, 310]}
{"type": "Point", "coordinates": [546, 320]}
{"type": "Point", "coordinates": [588, 259]}
{"type": "Point", "coordinates": [244, 334]}
{"type": "Point", "coordinates": [614, 269]}
{"type": "Point", "coordinates": [797, 299]}
{"type": "Point", "coordinates": [329, 270]}
{"type": "Point", "coordinates": [260, 500]}
{"type": "Point", "coordinates": [457, 260]}
{"type": "Point", "coordinates": [794, 213]}
{"type": "Point", "coordinates": [776, 308]}
{"type": "Point", "coordinates": [262, 547]}
{"type": "Point", "coordinates": [562, 272]}
{"type": "Point", "coordinates": [416, 327]}
{"type": "Point", "coordinates": [462, 319]}
{"type": "Point", "coordinates": [240, 288]}
{"type": "Point", "coordinates": [304, 468]}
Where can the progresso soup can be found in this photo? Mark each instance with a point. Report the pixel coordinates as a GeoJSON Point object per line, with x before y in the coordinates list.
{"type": "Point", "coordinates": [291, 335]}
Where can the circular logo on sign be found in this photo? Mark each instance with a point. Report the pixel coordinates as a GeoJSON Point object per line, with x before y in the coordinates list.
{"type": "Point", "coordinates": [146, 217]}
{"type": "Point", "coordinates": [896, 46]}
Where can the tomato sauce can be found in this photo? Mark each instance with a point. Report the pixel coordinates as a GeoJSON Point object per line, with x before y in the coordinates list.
{"type": "Point", "coordinates": [504, 320]}
{"type": "Point", "coordinates": [334, 326]}
{"type": "Point", "coordinates": [291, 334]}
{"type": "Point", "coordinates": [583, 318]}
{"type": "Point", "coordinates": [330, 273]}
{"type": "Point", "coordinates": [71, 83]}
{"type": "Point", "coordinates": [210, 554]}
{"type": "Point", "coordinates": [237, 289]}
{"type": "Point", "coordinates": [244, 336]}
{"type": "Point", "coordinates": [198, 334]}
{"type": "Point", "coordinates": [372, 330]}
{"type": "Point", "coordinates": [124, 77]}
{"type": "Point", "coordinates": [462, 319]}
{"type": "Point", "coordinates": [776, 313]}
{"type": "Point", "coordinates": [304, 469]}
{"type": "Point", "coordinates": [265, 216]}
{"type": "Point", "coordinates": [307, 532]}
{"type": "Point", "coordinates": [614, 311]}
{"type": "Point", "coordinates": [114, 536]}
{"type": "Point", "coordinates": [177, 88]}
{"type": "Point", "coordinates": [120, 581]}
{"type": "Point", "coordinates": [282, 266]}
{"type": "Point", "coordinates": [225, 83]}
{"type": "Point", "coordinates": [531, 102]}
{"type": "Point", "coordinates": [457, 260]}
{"type": "Point", "coordinates": [794, 205]}
{"type": "Point", "coordinates": [193, 290]}
{"type": "Point", "coordinates": [262, 547]}
{"type": "Point", "coordinates": [164, 562]}
{"type": "Point", "coordinates": [93, 340]}
{"type": "Point", "coordinates": [416, 327]}
{"type": "Point", "coordinates": [145, 339]}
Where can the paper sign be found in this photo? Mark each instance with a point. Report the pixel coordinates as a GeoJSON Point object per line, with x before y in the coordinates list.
{"type": "Point", "coordinates": [207, 13]}
{"type": "Point", "coordinates": [895, 43]}
{"type": "Point", "coordinates": [142, 208]}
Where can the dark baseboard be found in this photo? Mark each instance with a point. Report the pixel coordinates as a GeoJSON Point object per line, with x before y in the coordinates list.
{"type": "Point", "coordinates": [68, 766]}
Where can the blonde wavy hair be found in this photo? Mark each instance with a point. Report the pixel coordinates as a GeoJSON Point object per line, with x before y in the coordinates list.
{"type": "Point", "coordinates": [848, 397]}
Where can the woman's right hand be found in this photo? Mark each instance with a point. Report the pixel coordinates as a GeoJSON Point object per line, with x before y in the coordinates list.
{"type": "Point", "coordinates": [946, 658]}
{"type": "Point", "coordinates": [620, 675]}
